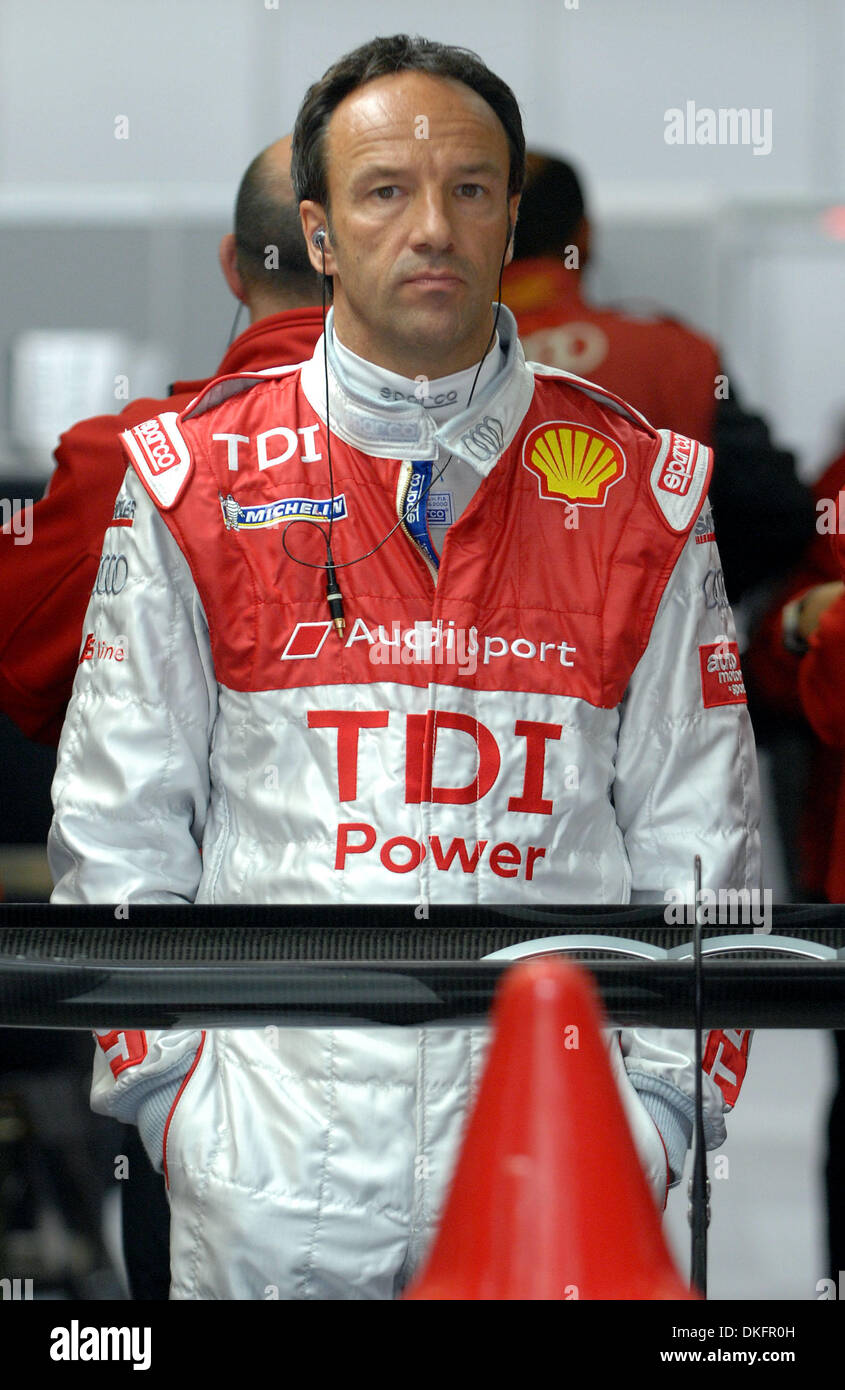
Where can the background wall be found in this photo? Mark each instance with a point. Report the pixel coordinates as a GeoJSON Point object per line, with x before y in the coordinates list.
{"type": "Point", "coordinates": [97, 230]}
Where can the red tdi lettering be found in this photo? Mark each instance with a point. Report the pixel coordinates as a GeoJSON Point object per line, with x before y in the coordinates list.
{"type": "Point", "coordinates": [422, 732]}
{"type": "Point", "coordinates": [536, 736]}
{"type": "Point", "coordinates": [418, 729]}
{"type": "Point", "coordinates": [348, 723]}
{"type": "Point", "coordinates": [442, 734]}
{"type": "Point", "coordinates": [489, 759]}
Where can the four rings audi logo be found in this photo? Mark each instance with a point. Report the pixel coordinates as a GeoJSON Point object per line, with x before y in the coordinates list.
{"type": "Point", "coordinates": [485, 439]}
{"type": "Point", "coordinates": [111, 575]}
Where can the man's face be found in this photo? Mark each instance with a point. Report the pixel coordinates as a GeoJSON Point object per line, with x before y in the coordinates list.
{"type": "Point", "coordinates": [417, 176]}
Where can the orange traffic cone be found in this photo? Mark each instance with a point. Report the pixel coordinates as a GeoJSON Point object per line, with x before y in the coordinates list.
{"type": "Point", "coordinates": [549, 1200]}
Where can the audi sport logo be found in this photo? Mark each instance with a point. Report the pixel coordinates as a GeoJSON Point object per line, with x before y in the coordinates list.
{"type": "Point", "coordinates": [112, 574]}
{"type": "Point", "coordinates": [721, 674]}
{"type": "Point", "coordinates": [425, 642]}
{"type": "Point", "coordinates": [305, 641]}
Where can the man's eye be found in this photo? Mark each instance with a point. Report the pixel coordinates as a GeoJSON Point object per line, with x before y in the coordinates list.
{"type": "Point", "coordinates": [385, 193]}
{"type": "Point", "coordinates": [471, 189]}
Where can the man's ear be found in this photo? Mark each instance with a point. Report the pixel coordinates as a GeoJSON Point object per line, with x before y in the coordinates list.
{"type": "Point", "coordinates": [314, 218]}
{"type": "Point", "coordinates": [228, 256]}
{"type": "Point", "coordinates": [513, 212]}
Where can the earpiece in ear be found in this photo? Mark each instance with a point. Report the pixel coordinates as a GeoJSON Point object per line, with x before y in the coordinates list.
{"type": "Point", "coordinates": [319, 237]}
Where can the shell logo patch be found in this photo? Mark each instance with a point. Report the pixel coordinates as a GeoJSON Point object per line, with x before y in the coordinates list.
{"type": "Point", "coordinates": [573, 464]}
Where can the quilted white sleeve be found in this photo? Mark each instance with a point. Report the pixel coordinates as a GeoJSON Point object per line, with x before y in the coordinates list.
{"type": "Point", "coordinates": [131, 789]}
{"type": "Point", "coordinates": [686, 771]}
{"type": "Point", "coordinates": [686, 784]}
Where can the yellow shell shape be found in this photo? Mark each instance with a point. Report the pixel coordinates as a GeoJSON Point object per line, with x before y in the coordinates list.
{"type": "Point", "coordinates": [575, 462]}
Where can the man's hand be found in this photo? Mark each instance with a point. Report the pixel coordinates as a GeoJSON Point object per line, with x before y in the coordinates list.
{"type": "Point", "coordinates": [814, 604]}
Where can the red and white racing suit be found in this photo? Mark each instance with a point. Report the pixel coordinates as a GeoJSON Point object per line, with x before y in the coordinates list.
{"type": "Point", "coordinates": [554, 715]}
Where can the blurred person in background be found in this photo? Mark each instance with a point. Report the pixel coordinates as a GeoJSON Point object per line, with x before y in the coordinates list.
{"type": "Point", "coordinates": [796, 669]}
{"type": "Point", "coordinates": [266, 267]}
{"type": "Point", "coordinates": [672, 374]}
{"type": "Point", "coordinates": [47, 584]}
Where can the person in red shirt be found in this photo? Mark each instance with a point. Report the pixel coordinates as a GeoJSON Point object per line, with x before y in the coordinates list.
{"type": "Point", "coordinates": [53, 576]}
{"type": "Point", "coordinates": [663, 368]}
{"type": "Point", "coordinates": [672, 374]}
{"type": "Point", "coordinates": [796, 669]}
{"type": "Point", "coordinates": [796, 665]}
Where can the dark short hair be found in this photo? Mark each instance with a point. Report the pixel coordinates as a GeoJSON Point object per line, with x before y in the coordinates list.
{"type": "Point", "coordinates": [267, 215]}
{"type": "Point", "coordinates": [379, 58]}
{"type": "Point", "coordinates": [550, 209]}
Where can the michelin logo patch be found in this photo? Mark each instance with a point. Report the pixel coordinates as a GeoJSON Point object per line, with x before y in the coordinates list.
{"type": "Point", "coordinates": [249, 517]}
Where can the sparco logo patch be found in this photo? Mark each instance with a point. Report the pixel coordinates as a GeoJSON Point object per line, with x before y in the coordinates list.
{"type": "Point", "coordinates": [721, 674]}
{"type": "Point", "coordinates": [573, 464]}
{"type": "Point", "coordinates": [160, 455]}
{"type": "Point", "coordinates": [155, 446]}
{"type": "Point", "coordinates": [678, 468]}
{"type": "Point", "coordinates": [438, 509]}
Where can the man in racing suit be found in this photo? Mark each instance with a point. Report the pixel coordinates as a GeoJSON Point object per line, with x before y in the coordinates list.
{"type": "Point", "coordinates": [529, 700]}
